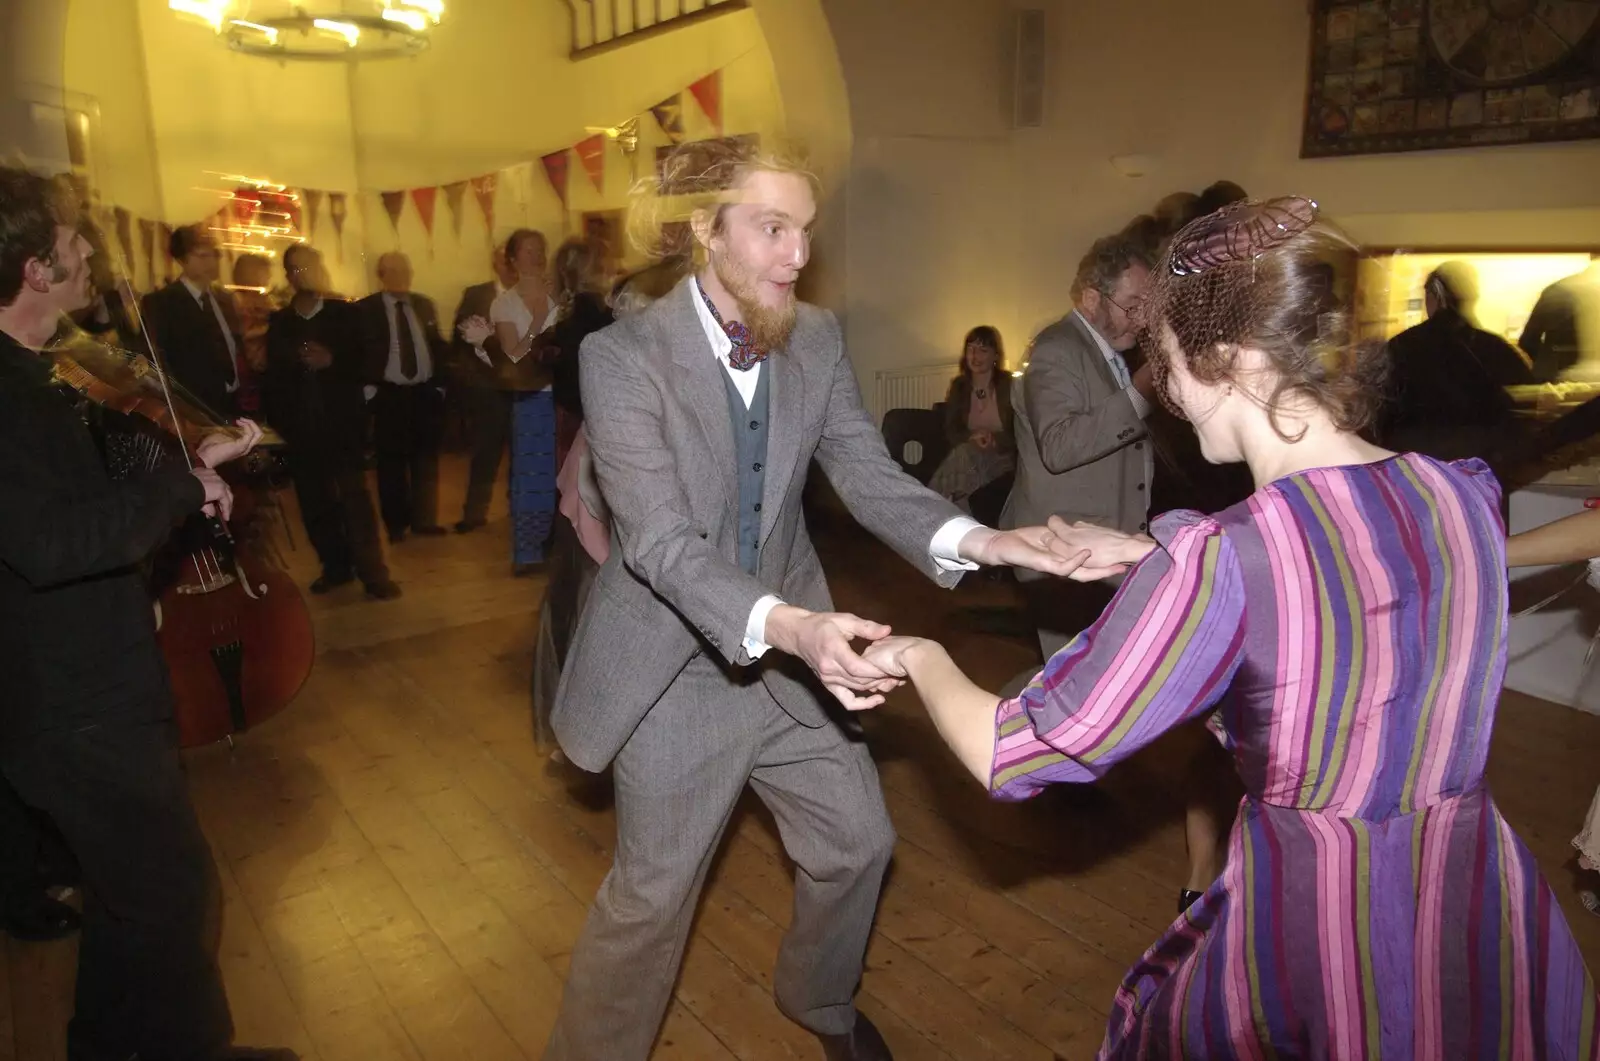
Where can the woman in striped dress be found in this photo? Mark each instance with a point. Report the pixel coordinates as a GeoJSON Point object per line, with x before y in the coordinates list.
{"type": "Point", "coordinates": [1349, 619]}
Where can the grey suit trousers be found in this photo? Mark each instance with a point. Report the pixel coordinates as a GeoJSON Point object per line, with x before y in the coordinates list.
{"type": "Point", "coordinates": [677, 780]}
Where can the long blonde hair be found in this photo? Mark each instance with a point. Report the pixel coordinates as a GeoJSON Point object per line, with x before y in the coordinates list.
{"type": "Point", "coordinates": [698, 177]}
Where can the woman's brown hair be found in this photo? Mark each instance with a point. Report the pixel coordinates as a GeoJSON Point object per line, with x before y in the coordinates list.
{"type": "Point", "coordinates": [1265, 275]}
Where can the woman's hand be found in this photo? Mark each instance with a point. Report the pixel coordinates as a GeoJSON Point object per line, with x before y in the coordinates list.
{"type": "Point", "coordinates": [1109, 552]}
{"type": "Point", "coordinates": [890, 653]}
{"type": "Point", "coordinates": [222, 447]}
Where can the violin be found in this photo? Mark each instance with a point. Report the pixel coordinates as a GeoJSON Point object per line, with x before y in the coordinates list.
{"type": "Point", "coordinates": [231, 623]}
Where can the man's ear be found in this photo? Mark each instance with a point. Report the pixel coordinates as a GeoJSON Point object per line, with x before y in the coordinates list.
{"type": "Point", "coordinates": [39, 274]}
{"type": "Point", "coordinates": [1090, 300]}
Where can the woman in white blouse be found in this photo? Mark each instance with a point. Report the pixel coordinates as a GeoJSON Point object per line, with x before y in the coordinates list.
{"type": "Point", "coordinates": [520, 315]}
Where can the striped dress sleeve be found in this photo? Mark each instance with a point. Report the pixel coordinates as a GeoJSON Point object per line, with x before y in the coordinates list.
{"type": "Point", "coordinates": [1163, 652]}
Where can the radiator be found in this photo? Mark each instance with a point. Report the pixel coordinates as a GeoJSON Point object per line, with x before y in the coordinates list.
{"type": "Point", "coordinates": [913, 387]}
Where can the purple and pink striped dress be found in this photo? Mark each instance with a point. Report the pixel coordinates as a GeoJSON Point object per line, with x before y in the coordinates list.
{"type": "Point", "coordinates": [1350, 623]}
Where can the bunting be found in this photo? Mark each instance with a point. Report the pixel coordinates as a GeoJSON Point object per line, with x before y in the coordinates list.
{"type": "Point", "coordinates": [424, 200]}
{"type": "Point", "coordinates": [555, 167]}
{"type": "Point", "coordinates": [313, 200]}
{"type": "Point", "coordinates": [669, 115]}
{"type": "Point", "coordinates": [303, 209]}
{"type": "Point", "coordinates": [337, 208]}
{"type": "Point", "coordinates": [592, 153]}
{"type": "Point", "coordinates": [708, 92]}
{"type": "Point", "coordinates": [483, 190]}
{"type": "Point", "coordinates": [394, 203]}
{"type": "Point", "coordinates": [453, 194]}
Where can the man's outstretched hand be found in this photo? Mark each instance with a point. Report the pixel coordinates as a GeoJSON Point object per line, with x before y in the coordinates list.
{"type": "Point", "coordinates": [1034, 548]}
{"type": "Point", "coordinates": [822, 640]}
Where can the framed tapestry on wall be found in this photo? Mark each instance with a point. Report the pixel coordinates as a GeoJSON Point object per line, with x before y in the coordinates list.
{"type": "Point", "coordinates": [1413, 75]}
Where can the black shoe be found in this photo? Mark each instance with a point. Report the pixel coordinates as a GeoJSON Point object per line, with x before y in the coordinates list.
{"type": "Point", "coordinates": [862, 1043]}
{"type": "Point", "coordinates": [330, 582]}
{"type": "Point", "coordinates": [524, 570]}
{"type": "Point", "coordinates": [41, 921]}
{"type": "Point", "coordinates": [396, 536]}
{"type": "Point", "coordinates": [1186, 898]}
{"type": "Point", "coordinates": [432, 530]}
{"type": "Point", "coordinates": [385, 590]}
{"type": "Point", "coordinates": [467, 526]}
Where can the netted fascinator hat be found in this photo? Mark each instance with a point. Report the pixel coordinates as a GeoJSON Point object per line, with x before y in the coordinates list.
{"type": "Point", "coordinates": [1262, 273]}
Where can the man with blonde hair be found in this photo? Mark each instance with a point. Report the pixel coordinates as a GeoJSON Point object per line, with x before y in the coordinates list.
{"type": "Point", "coordinates": [703, 412]}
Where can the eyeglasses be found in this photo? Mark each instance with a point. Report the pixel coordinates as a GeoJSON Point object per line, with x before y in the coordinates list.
{"type": "Point", "coordinates": [1131, 311]}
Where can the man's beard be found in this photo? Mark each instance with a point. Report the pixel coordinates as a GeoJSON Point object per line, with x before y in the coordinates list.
{"type": "Point", "coordinates": [769, 328]}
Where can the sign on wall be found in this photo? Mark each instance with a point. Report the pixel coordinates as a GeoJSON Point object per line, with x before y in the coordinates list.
{"type": "Point", "coordinates": [1411, 75]}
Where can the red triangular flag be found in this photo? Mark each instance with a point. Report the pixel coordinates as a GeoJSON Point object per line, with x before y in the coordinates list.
{"type": "Point", "coordinates": [592, 153]}
{"type": "Point", "coordinates": [393, 204]}
{"type": "Point", "coordinates": [337, 208]}
{"type": "Point", "coordinates": [453, 194]}
{"type": "Point", "coordinates": [313, 201]}
{"type": "Point", "coordinates": [423, 199]}
{"type": "Point", "coordinates": [483, 189]}
{"type": "Point", "coordinates": [708, 91]}
{"type": "Point", "coordinates": [555, 167]}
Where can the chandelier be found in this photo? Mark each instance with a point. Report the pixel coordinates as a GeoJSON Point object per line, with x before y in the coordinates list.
{"type": "Point", "coordinates": [340, 30]}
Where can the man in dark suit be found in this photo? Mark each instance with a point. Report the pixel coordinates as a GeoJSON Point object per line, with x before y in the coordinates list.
{"type": "Point", "coordinates": [474, 351]}
{"type": "Point", "coordinates": [192, 322]}
{"type": "Point", "coordinates": [312, 388]}
{"type": "Point", "coordinates": [402, 348]}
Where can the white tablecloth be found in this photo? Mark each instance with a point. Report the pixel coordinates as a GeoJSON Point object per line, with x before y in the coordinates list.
{"type": "Point", "coordinates": [1547, 648]}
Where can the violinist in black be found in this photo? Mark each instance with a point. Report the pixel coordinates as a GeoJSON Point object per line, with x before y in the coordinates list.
{"type": "Point", "coordinates": [85, 724]}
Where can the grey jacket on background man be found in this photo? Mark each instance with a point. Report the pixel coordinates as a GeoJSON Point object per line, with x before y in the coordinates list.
{"type": "Point", "coordinates": [656, 415]}
{"type": "Point", "coordinates": [1081, 443]}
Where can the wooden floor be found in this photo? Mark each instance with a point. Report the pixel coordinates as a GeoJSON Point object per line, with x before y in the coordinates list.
{"type": "Point", "coordinates": [405, 873]}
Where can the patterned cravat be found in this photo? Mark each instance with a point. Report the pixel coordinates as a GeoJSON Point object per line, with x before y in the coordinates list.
{"type": "Point", "coordinates": [745, 354]}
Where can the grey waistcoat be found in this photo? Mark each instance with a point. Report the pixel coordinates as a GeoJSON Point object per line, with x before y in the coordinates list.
{"type": "Point", "coordinates": [750, 459]}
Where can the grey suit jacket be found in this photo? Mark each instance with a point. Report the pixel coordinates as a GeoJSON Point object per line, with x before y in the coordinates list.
{"type": "Point", "coordinates": [656, 415]}
{"type": "Point", "coordinates": [1080, 444]}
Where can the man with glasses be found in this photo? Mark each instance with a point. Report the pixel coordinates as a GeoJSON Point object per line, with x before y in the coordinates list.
{"type": "Point", "coordinates": [1082, 448]}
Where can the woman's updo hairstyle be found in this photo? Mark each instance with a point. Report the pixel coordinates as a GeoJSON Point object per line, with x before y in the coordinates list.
{"type": "Point", "coordinates": [1265, 275]}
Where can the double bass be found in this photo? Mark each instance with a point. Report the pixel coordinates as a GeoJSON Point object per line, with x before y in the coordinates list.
{"type": "Point", "coordinates": [232, 625]}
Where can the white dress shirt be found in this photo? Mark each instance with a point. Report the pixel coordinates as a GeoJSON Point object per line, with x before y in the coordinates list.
{"type": "Point", "coordinates": [945, 547]}
{"type": "Point", "coordinates": [200, 294]}
{"type": "Point", "coordinates": [1119, 371]}
{"type": "Point", "coordinates": [393, 307]}
{"type": "Point", "coordinates": [508, 308]}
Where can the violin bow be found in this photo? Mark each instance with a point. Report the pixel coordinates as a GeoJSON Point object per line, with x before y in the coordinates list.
{"type": "Point", "coordinates": [219, 528]}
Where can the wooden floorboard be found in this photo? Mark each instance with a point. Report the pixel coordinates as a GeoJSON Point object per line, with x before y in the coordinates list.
{"type": "Point", "coordinates": [405, 874]}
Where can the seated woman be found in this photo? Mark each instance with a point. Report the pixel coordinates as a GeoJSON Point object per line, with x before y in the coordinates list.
{"type": "Point", "coordinates": [977, 421]}
{"type": "Point", "coordinates": [1350, 620]}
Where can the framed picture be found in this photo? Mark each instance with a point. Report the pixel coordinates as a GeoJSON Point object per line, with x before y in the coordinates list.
{"type": "Point", "coordinates": [1414, 75]}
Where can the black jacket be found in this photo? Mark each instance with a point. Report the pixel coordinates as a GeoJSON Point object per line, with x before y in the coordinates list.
{"type": "Point", "coordinates": [588, 315]}
{"type": "Point", "coordinates": [316, 409]}
{"type": "Point", "coordinates": [375, 328]}
{"type": "Point", "coordinates": [191, 343]}
{"type": "Point", "coordinates": [76, 621]}
{"type": "Point", "coordinates": [1447, 389]}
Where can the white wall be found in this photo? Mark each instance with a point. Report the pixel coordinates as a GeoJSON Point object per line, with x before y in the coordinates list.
{"type": "Point", "coordinates": [1146, 77]}
{"type": "Point", "coordinates": [954, 219]}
